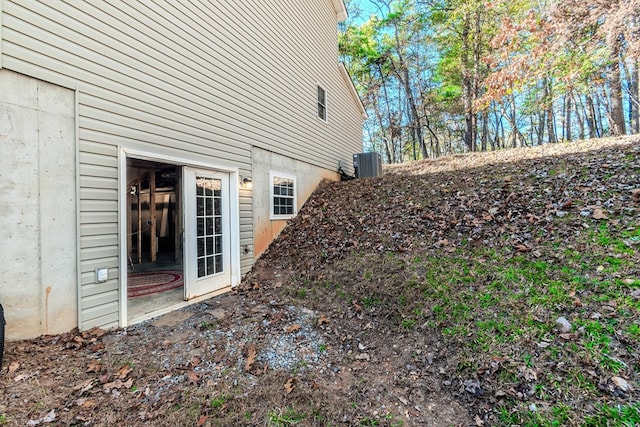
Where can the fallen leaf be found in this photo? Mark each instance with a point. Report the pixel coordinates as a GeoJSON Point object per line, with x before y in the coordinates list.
{"type": "Point", "coordinates": [292, 328]}
{"type": "Point", "coordinates": [109, 386]}
{"type": "Point", "coordinates": [202, 420]}
{"type": "Point", "coordinates": [96, 347]}
{"type": "Point", "coordinates": [218, 356]}
{"type": "Point", "coordinates": [86, 403]}
{"type": "Point", "coordinates": [97, 332]}
{"type": "Point", "coordinates": [49, 418]}
{"type": "Point", "coordinates": [193, 377]}
{"type": "Point", "coordinates": [251, 357]}
{"type": "Point", "coordinates": [275, 318]}
{"type": "Point", "coordinates": [566, 204]}
{"type": "Point", "coordinates": [85, 385]}
{"type": "Point", "coordinates": [598, 213]}
{"type": "Point", "coordinates": [117, 384]}
{"type": "Point", "coordinates": [622, 384]}
{"type": "Point", "coordinates": [14, 366]}
{"type": "Point", "coordinates": [289, 385]}
{"type": "Point", "coordinates": [124, 371]}
{"type": "Point", "coordinates": [94, 366]}
{"type": "Point", "coordinates": [323, 320]}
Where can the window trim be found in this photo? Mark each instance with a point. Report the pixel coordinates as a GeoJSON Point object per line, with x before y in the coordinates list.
{"type": "Point", "coordinates": [325, 105]}
{"type": "Point", "coordinates": [272, 215]}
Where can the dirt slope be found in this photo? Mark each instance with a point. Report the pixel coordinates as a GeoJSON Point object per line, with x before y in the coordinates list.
{"type": "Point", "coordinates": [486, 289]}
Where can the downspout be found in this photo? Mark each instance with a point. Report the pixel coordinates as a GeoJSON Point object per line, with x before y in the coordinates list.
{"type": "Point", "coordinates": [77, 163]}
{"type": "Point", "coordinates": [2, 323]}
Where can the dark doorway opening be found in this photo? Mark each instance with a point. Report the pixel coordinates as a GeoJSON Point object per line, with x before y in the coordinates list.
{"type": "Point", "coordinates": [154, 236]}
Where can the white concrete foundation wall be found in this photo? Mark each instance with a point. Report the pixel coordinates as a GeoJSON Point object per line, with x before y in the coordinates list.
{"type": "Point", "coordinates": [38, 207]}
{"type": "Point", "coordinates": [307, 179]}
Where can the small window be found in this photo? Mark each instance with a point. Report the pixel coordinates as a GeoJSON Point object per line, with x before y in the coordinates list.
{"type": "Point", "coordinates": [283, 196]}
{"type": "Point", "coordinates": [322, 103]}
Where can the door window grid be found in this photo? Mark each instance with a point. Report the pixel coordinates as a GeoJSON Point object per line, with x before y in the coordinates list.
{"type": "Point", "coordinates": [209, 226]}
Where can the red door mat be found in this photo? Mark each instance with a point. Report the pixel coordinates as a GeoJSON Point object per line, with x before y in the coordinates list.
{"type": "Point", "coordinates": [151, 282]}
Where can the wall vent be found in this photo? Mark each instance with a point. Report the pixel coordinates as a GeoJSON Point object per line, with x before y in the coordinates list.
{"type": "Point", "coordinates": [367, 164]}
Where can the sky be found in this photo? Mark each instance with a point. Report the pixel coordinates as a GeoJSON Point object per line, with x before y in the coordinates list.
{"type": "Point", "coordinates": [367, 8]}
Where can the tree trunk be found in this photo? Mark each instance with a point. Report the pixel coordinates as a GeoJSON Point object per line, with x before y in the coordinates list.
{"type": "Point", "coordinates": [387, 149]}
{"type": "Point", "coordinates": [579, 116]}
{"type": "Point", "coordinates": [512, 123]}
{"type": "Point", "coordinates": [485, 131]}
{"type": "Point", "coordinates": [616, 114]}
{"type": "Point", "coordinates": [542, 117]}
{"type": "Point", "coordinates": [390, 150]}
{"type": "Point", "coordinates": [495, 144]}
{"type": "Point", "coordinates": [567, 117]}
{"type": "Point", "coordinates": [468, 86]}
{"type": "Point", "coordinates": [433, 138]}
{"type": "Point", "coordinates": [548, 95]}
{"type": "Point", "coordinates": [591, 118]}
{"type": "Point", "coordinates": [634, 96]}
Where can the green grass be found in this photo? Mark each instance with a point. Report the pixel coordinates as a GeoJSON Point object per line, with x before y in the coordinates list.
{"type": "Point", "coordinates": [287, 417]}
{"type": "Point", "coordinates": [624, 415]}
{"type": "Point", "coordinates": [208, 325]}
{"type": "Point", "coordinates": [556, 416]}
{"type": "Point", "coordinates": [219, 401]}
{"type": "Point", "coordinates": [495, 306]}
{"type": "Point", "coordinates": [408, 324]}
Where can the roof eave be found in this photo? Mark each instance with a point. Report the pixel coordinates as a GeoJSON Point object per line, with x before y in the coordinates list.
{"type": "Point", "coordinates": [341, 10]}
{"type": "Point", "coordinates": [354, 92]}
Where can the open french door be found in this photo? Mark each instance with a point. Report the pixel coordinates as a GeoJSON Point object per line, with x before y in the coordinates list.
{"type": "Point", "coordinates": [207, 239]}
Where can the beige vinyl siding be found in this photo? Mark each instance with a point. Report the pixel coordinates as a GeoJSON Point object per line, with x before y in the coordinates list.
{"type": "Point", "coordinates": [202, 80]}
{"type": "Point", "coordinates": [240, 84]}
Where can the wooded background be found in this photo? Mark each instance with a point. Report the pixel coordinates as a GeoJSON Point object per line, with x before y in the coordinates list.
{"type": "Point", "coordinates": [439, 77]}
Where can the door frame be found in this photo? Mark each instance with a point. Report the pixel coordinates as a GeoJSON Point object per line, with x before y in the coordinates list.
{"type": "Point", "coordinates": [234, 221]}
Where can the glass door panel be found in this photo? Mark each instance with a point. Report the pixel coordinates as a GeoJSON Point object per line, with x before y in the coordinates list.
{"type": "Point", "coordinates": [207, 231]}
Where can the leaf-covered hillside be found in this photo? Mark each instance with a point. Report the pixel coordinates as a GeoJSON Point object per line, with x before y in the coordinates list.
{"type": "Point", "coordinates": [493, 289]}
{"type": "Point", "coordinates": [513, 278]}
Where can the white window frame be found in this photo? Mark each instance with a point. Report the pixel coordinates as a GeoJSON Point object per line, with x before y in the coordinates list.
{"type": "Point", "coordinates": [325, 119]}
{"type": "Point", "coordinates": [272, 176]}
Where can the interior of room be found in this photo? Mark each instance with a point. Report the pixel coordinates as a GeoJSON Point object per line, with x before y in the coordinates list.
{"type": "Point", "coordinates": [155, 273]}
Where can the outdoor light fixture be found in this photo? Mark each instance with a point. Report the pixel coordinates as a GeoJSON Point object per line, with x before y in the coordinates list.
{"type": "Point", "coordinates": [247, 183]}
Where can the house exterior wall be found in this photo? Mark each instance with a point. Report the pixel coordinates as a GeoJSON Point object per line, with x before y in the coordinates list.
{"type": "Point", "coordinates": [37, 207]}
{"type": "Point", "coordinates": [200, 81]}
{"type": "Point", "coordinates": [307, 178]}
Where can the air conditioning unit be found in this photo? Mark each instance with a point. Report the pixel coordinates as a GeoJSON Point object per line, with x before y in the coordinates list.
{"type": "Point", "coordinates": [367, 164]}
